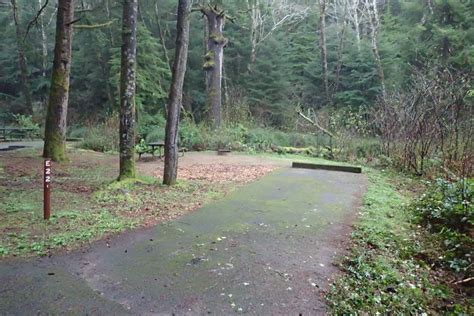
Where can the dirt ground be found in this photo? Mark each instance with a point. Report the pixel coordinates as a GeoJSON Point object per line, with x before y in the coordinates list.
{"type": "Point", "coordinates": [208, 166]}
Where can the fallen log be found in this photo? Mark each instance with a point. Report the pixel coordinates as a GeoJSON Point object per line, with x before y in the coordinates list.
{"type": "Point", "coordinates": [327, 167]}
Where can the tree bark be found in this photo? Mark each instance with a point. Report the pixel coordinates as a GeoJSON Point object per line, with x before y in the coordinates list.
{"type": "Point", "coordinates": [322, 43]}
{"type": "Point", "coordinates": [127, 89]}
{"type": "Point", "coordinates": [176, 94]}
{"type": "Point", "coordinates": [109, 18]}
{"type": "Point", "coordinates": [55, 128]}
{"type": "Point", "coordinates": [162, 36]}
{"type": "Point", "coordinates": [340, 50]}
{"type": "Point", "coordinates": [374, 23]}
{"type": "Point", "coordinates": [44, 41]}
{"type": "Point", "coordinates": [254, 8]}
{"type": "Point", "coordinates": [22, 60]}
{"type": "Point", "coordinates": [353, 6]}
{"type": "Point", "coordinates": [214, 60]}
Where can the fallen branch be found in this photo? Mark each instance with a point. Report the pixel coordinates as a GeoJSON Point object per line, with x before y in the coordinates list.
{"type": "Point", "coordinates": [322, 129]}
{"type": "Point", "coordinates": [464, 281]}
{"type": "Point", "coordinates": [92, 26]}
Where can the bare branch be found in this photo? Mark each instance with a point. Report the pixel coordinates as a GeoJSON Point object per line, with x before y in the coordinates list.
{"type": "Point", "coordinates": [314, 123]}
{"type": "Point", "coordinates": [35, 19]}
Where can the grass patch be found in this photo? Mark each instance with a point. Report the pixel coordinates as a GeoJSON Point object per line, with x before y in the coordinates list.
{"type": "Point", "coordinates": [87, 203]}
{"type": "Point", "coordinates": [383, 272]}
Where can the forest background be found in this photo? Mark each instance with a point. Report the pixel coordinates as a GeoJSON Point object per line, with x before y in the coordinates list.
{"type": "Point", "coordinates": [384, 81]}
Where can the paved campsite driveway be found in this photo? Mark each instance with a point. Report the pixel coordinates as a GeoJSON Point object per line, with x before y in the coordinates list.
{"type": "Point", "coordinates": [264, 249]}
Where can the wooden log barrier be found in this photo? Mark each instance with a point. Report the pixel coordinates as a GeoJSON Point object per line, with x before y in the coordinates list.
{"type": "Point", "coordinates": [327, 167]}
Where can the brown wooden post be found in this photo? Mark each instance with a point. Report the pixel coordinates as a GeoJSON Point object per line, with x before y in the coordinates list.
{"type": "Point", "coordinates": [47, 189]}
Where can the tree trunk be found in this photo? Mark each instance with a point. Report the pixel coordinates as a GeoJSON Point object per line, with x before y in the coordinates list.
{"type": "Point", "coordinates": [226, 86]}
{"type": "Point", "coordinates": [109, 17]}
{"type": "Point", "coordinates": [176, 94]}
{"type": "Point", "coordinates": [21, 60]}
{"type": "Point", "coordinates": [357, 25]}
{"type": "Point", "coordinates": [374, 22]}
{"type": "Point", "coordinates": [354, 16]}
{"type": "Point", "coordinates": [340, 50]}
{"type": "Point", "coordinates": [55, 128]}
{"type": "Point", "coordinates": [254, 8]}
{"type": "Point", "coordinates": [322, 43]}
{"type": "Point", "coordinates": [44, 41]}
{"type": "Point", "coordinates": [127, 89]}
{"type": "Point", "coordinates": [162, 36]}
{"type": "Point", "coordinates": [214, 60]}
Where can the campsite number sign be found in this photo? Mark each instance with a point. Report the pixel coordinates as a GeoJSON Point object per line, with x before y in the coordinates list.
{"type": "Point", "coordinates": [47, 188]}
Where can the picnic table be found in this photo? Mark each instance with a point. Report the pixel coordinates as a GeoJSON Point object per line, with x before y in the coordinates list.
{"type": "Point", "coordinates": [152, 146]}
{"type": "Point", "coordinates": [16, 133]}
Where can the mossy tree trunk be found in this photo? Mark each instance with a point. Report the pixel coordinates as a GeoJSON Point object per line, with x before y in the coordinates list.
{"type": "Point", "coordinates": [322, 43]}
{"type": "Point", "coordinates": [213, 64]}
{"type": "Point", "coordinates": [127, 89]}
{"type": "Point", "coordinates": [55, 128]}
{"type": "Point", "coordinates": [176, 94]}
{"type": "Point", "coordinates": [25, 87]}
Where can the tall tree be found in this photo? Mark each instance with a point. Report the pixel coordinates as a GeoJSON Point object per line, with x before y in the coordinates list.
{"type": "Point", "coordinates": [44, 39]}
{"type": "Point", "coordinates": [214, 60]}
{"type": "Point", "coordinates": [25, 87]}
{"type": "Point", "coordinates": [322, 44]}
{"type": "Point", "coordinates": [340, 49]}
{"type": "Point", "coordinates": [176, 94]}
{"type": "Point", "coordinates": [161, 34]}
{"type": "Point", "coordinates": [354, 16]}
{"type": "Point", "coordinates": [55, 128]}
{"type": "Point", "coordinates": [255, 18]}
{"type": "Point", "coordinates": [374, 22]}
{"type": "Point", "coordinates": [127, 89]}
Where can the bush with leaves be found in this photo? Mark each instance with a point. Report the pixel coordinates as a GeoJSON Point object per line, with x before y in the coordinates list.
{"type": "Point", "coordinates": [26, 121]}
{"type": "Point", "coordinates": [446, 209]}
{"type": "Point", "coordinates": [102, 137]}
{"type": "Point", "coordinates": [191, 135]}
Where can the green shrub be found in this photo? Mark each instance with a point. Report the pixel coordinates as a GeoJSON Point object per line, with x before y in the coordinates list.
{"type": "Point", "coordinates": [78, 132]}
{"type": "Point", "coordinates": [156, 134]}
{"type": "Point", "coordinates": [240, 138]}
{"type": "Point", "coordinates": [103, 137]}
{"type": "Point", "coordinates": [260, 139]}
{"type": "Point", "coordinates": [26, 121]}
{"type": "Point", "coordinates": [446, 209]}
{"type": "Point", "coordinates": [192, 135]}
{"type": "Point", "coordinates": [142, 147]}
{"type": "Point", "coordinates": [150, 124]}
{"type": "Point", "coordinates": [309, 151]}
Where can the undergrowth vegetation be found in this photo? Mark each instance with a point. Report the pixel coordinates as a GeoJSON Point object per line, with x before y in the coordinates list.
{"type": "Point", "coordinates": [446, 210]}
{"type": "Point", "coordinates": [393, 263]}
{"type": "Point", "coordinates": [242, 137]}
